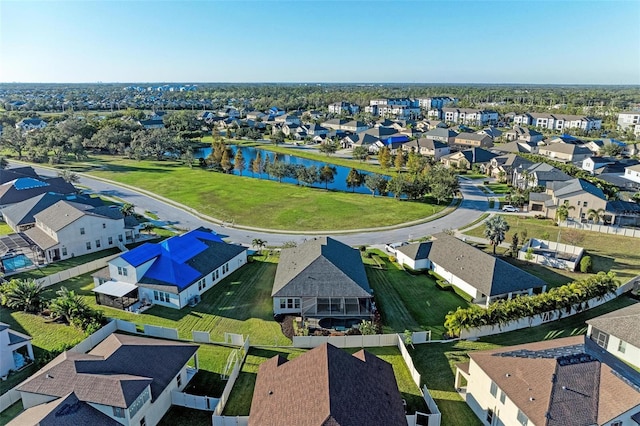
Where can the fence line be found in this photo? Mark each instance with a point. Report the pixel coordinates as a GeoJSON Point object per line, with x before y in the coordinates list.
{"type": "Point", "coordinates": [232, 379]}
{"type": "Point", "coordinates": [58, 277]}
{"type": "Point", "coordinates": [198, 402]}
{"type": "Point", "coordinates": [604, 229]}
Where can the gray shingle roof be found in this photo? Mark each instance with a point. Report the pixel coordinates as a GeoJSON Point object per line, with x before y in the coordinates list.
{"type": "Point", "coordinates": [321, 267]}
{"type": "Point", "coordinates": [19, 189]}
{"type": "Point", "coordinates": [416, 251]}
{"type": "Point", "coordinates": [490, 275]}
{"type": "Point", "coordinates": [64, 212]}
{"type": "Point", "coordinates": [339, 389]}
{"type": "Point", "coordinates": [23, 213]}
{"type": "Point", "coordinates": [41, 238]}
{"type": "Point", "coordinates": [623, 323]}
{"type": "Point", "coordinates": [562, 189]}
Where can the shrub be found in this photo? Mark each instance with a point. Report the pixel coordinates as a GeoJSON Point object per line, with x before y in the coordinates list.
{"type": "Point", "coordinates": [362, 248]}
{"type": "Point", "coordinates": [585, 264]}
{"type": "Point", "coordinates": [392, 259]}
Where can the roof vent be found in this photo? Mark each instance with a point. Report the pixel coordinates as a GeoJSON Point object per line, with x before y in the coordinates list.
{"type": "Point", "coordinates": [531, 398]}
{"type": "Point", "coordinates": [270, 392]}
{"type": "Point", "coordinates": [508, 375]}
{"type": "Point", "coordinates": [48, 376]}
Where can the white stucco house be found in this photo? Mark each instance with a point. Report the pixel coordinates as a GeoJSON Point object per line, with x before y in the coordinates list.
{"type": "Point", "coordinates": [68, 229]}
{"type": "Point", "coordinates": [15, 350]}
{"type": "Point", "coordinates": [618, 332]}
{"type": "Point", "coordinates": [117, 383]}
{"type": "Point", "coordinates": [173, 273]}
{"type": "Point", "coordinates": [632, 173]}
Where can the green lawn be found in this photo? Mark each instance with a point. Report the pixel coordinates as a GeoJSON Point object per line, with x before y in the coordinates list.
{"type": "Point", "coordinates": [436, 362]}
{"type": "Point", "coordinates": [608, 252]}
{"type": "Point", "coordinates": [64, 264]}
{"type": "Point", "coordinates": [410, 302]}
{"type": "Point", "coordinates": [239, 403]}
{"type": "Point", "coordinates": [5, 229]}
{"type": "Point", "coordinates": [499, 188]}
{"type": "Point", "coordinates": [7, 415]}
{"type": "Point", "coordinates": [242, 199]}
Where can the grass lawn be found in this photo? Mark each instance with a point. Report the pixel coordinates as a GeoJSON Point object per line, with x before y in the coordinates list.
{"type": "Point", "coordinates": [64, 264]}
{"type": "Point", "coordinates": [239, 403]}
{"type": "Point", "coordinates": [7, 415]}
{"type": "Point", "coordinates": [436, 362]}
{"type": "Point", "coordinates": [5, 229]}
{"type": "Point", "coordinates": [241, 303]}
{"type": "Point", "coordinates": [499, 188]}
{"type": "Point", "coordinates": [608, 252]}
{"type": "Point", "coordinates": [243, 201]}
{"type": "Point", "coordinates": [410, 302]}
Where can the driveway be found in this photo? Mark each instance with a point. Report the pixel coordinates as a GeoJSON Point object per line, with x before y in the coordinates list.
{"type": "Point", "coordinates": [472, 207]}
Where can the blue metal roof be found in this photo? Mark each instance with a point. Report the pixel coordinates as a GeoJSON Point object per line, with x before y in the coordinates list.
{"type": "Point", "coordinates": [28, 183]}
{"type": "Point", "coordinates": [171, 257]}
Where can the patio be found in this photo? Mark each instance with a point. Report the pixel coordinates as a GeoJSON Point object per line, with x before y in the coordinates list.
{"type": "Point", "coordinates": [116, 294]}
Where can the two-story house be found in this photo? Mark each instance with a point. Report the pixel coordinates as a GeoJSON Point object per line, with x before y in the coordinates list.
{"type": "Point", "coordinates": [343, 108]}
{"type": "Point", "coordinates": [445, 135]}
{"type": "Point", "coordinates": [629, 120]}
{"type": "Point", "coordinates": [565, 152]}
{"type": "Point", "coordinates": [632, 173]}
{"type": "Point", "coordinates": [467, 158]}
{"type": "Point", "coordinates": [503, 166]}
{"type": "Point", "coordinates": [125, 380]}
{"type": "Point", "coordinates": [578, 194]}
{"type": "Point", "coordinates": [617, 333]}
{"type": "Point", "coordinates": [427, 147]}
{"type": "Point", "coordinates": [473, 140]}
{"type": "Point", "coordinates": [523, 134]}
{"type": "Point", "coordinates": [68, 229]}
{"type": "Point", "coordinates": [538, 174]}
{"type": "Point", "coordinates": [172, 273]}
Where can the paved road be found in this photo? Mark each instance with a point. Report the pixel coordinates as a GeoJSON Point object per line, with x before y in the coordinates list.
{"type": "Point", "coordinates": [473, 206]}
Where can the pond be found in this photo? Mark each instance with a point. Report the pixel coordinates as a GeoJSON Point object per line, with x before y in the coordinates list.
{"type": "Point", "coordinates": [339, 183]}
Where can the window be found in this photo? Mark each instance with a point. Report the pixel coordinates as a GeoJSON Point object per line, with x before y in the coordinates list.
{"type": "Point", "coordinates": [118, 412]}
{"type": "Point", "coordinates": [489, 416]}
{"type": "Point", "coordinates": [602, 339]}
{"type": "Point", "coordinates": [104, 225]}
{"type": "Point", "coordinates": [617, 423]}
{"type": "Point", "coordinates": [585, 204]}
{"type": "Point", "coordinates": [120, 237]}
{"type": "Point", "coordinates": [503, 397]}
{"type": "Point", "coordinates": [522, 418]}
{"type": "Point", "coordinates": [110, 240]}
{"type": "Point", "coordinates": [64, 251]}
{"type": "Point", "coordinates": [494, 389]}
{"type": "Point", "coordinates": [622, 347]}
{"type": "Point", "coordinates": [202, 284]}
{"type": "Point", "coordinates": [161, 296]}
{"type": "Point", "coordinates": [98, 243]}
{"type": "Point", "coordinates": [81, 231]}
{"type": "Point", "coordinates": [143, 422]}
{"type": "Point", "coordinates": [225, 268]}
{"type": "Point", "coordinates": [88, 245]}
{"type": "Point", "coordinates": [179, 380]}
{"type": "Point", "coordinates": [122, 271]}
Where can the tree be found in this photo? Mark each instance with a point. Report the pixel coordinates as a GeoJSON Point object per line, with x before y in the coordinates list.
{"type": "Point", "coordinates": [611, 150]}
{"type": "Point", "coordinates": [360, 153]}
{"type": "Point", "coordinates": [127, 209]}
{"type": "Point", "coordinates": [327, 175]}
{"type": "Point", "coordinates": [14, 140]}
{"type": "Point", "coordinates": [3, 163]}
{"type": "Point", "coordinates": [278, 137]}
{"type": "Point", "coordinates": [238, 162]}
{"type": "Point", "coordinates": [277, 169]}
{"type": "Point", "coordinates": [515, 239]}
{"type": "Point", "coordinates": [257, 166]}
{"type": "Point", "coordinates": [562, 212]}
{"type": "Point", "coordinates": [225, 162]}
{"type": "Point", "coordinates": [147, 227]}
{"type": "Point", "coordinates": [25, 295]}
{"type": "Point", "coordinates": [416, 163]}
{"type": "Point", "coordinates": [354, 179]}
{"type": "Point", "coordinates": [399, 161]}
{"type": "Point", "coordinates": [585, 264]}
{"type": "Point", "coordinates": [69, 176]}
{"type": "Point", "coordinates": [495, 230]}
{"type": "Point", "coordinates": [375, 182]}
{"type": "Point", "coordinates": [398, 185]}
{"type": "Point", "coordinates": [68, 305]}
{"type": "Point", "coordinates": [595, 215]}
{"type": "Point", "coordinates": [308, 175]}
{"type": "Point", "coordinates": [384, 158]}
{"type": "Point", "coordinates": [259, 243]}
{"type": "Point", "coordinates": [328, 148]}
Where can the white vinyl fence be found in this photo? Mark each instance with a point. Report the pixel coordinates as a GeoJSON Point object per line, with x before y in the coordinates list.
{"type": "Point", "coordinates": [58, 277]}
{"type": "Point", "coordinates": [615, 230]}
{"type": "Point", "coordinates": [198, 402]}
{"type": "Point", "coordinates": [232, 379]}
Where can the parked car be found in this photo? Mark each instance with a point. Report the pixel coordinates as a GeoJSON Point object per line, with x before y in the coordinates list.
{"type": "Point", "coordinates": [510, 209]}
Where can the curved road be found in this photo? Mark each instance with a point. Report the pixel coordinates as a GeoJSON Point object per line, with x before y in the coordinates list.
{"type": "Point", "coordinates": [473, 205]}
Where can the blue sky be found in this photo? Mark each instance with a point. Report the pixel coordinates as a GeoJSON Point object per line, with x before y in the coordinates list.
{"type": "Point", "coordinates": [556, 42]}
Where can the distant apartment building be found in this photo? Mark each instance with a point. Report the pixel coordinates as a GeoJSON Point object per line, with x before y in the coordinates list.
{"type": "Point", "coordinates": [558, 122]}
{"type": "Point", "coordinates": [402, 108]}
{"type": "Point", "coordinates": [469, 116]}
{"type": "Point", "coordinates": [343, 108]}
{"type": "Point", "coordinates": [629, 119]}
{"type": "Point", "coordinates": [436, 102]}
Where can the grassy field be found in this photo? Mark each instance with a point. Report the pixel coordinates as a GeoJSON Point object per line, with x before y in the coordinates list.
{"type": "Point", "coordinates": [242, 199]}
{"type": "Point", "coordinates": [410, 302]}
{"type": "Point", "coordinates": [608, 252]}
{"type": "Point", "coordinates": [240, 400]}
{"type": "Point", "coordinates": [499, 188]}
{"type": "Point", "coordinates": [5, 229]}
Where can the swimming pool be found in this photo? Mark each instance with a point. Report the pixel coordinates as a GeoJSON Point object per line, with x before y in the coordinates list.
{"type": "Point", "coordinates": [16, 262]}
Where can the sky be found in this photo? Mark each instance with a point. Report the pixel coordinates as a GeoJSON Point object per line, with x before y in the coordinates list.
{"type": "Point", "coordinates": [421, 41]}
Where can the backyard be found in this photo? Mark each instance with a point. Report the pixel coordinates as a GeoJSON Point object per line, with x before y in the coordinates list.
{"type": "Point", "coordinates": [241, 199]}
{"type": "Point", "coordinates": [608, 252]}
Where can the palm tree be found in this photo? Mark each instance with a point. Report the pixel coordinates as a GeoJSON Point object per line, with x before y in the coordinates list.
{"type": "Point", "coordinates": [127, 209]}
{"type": "Point", "coordinates": [595, 215]}
{"type": "Point", "coordinates": [147, 226]}
{"type": "Point", "coordinates": [68, 305]}
{"type": "Point", "coordinates": [25, 295]}
{"type": "Point", "coordinates": [562, 213]}
{"type": "Point", "coordinates": [495, 230]}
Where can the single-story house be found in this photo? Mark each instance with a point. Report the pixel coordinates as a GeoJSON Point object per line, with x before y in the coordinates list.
{"type": "Point", "coordinates": [483, 277]}
{"type": "Point", "coordinates": [322, 278]}
{"type": "Point", "coordinates": [548, 383]}
{"type": "Point", "coordinates": [172, 273]}
{"type": "Point", "coordinates": [15, 350]}
{"type": "Point", "coordinates": [124, 380]}
{"type": "Point", "coordinates": [334, 388]}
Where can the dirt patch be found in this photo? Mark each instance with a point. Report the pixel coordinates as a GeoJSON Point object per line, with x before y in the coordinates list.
{"type": "Point", "coordinates": [287, 326]}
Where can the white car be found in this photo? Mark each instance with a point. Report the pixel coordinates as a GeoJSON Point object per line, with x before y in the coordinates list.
{"type": "Point", "coordinates": [510, 209]}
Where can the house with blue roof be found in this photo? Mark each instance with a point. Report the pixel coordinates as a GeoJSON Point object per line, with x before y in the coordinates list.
{"type": "Point", "coordinates": [173, 273]}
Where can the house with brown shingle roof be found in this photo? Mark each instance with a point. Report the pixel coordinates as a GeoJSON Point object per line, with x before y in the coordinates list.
{"type": "Point", "coordinates": [618, 332]}
{"type": "Point", "coordinates": [124, 380]}
{"type": "Point", "coordinates": [327, 387]}
{"type": "Point", "coordinates": [550, 383]}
